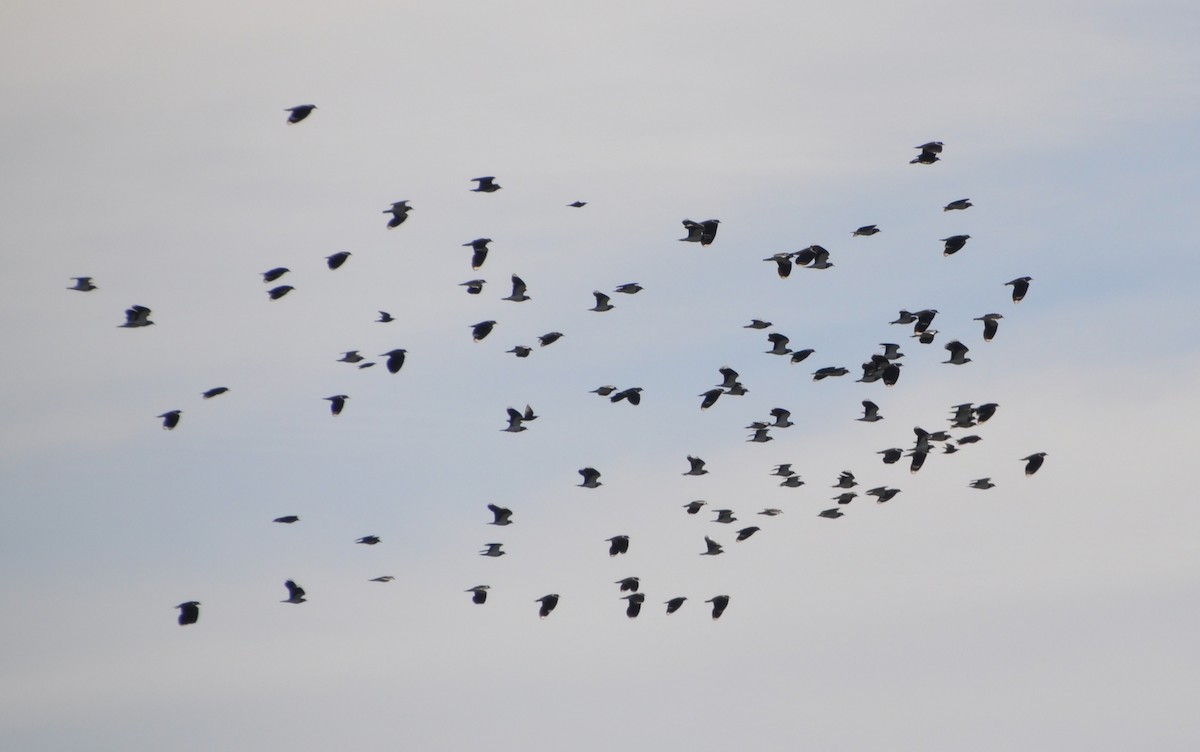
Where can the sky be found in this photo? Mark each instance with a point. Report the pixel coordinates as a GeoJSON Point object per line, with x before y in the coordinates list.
{"type": "Point", "coordinates": [146, 146]}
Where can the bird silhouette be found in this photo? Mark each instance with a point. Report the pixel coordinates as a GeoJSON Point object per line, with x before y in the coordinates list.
{"type": "Point", "coordinates": [189, 613]}
{"type": "Point", "coordinates": [299, 112]}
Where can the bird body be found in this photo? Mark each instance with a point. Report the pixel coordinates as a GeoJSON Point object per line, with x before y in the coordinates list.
{"type": "Point", "coordinates": [214, 392]}
{"type": "Point", "coordinates": [299, 112]}
{"type": "Point", "coordinates": [635, 604]}
{"type": "Point", "coordinates": [633, 394]}
{"type": "Point", "coordinates": [697, 466]}
{"type": "Point", "coordinates": [549, 603]}
{"type": "Point", "coordinates": [1020, 286]}
{"type": "Point", "coordinates": [275, 293]}
{"type": "Point", "coordinates": [693, 507]}
{"type": "Point", "coordinates": [273, 274]}
{"type": "Point", "coordinates": [1033, 462]}
{"type": "Point", "coordinates": [591, 477]}
{"type": "Point", "coordinates": [867, 230]}
{"type": "Point", "coordinates": [959, 205]}
{"type": "Point", "coordinates": [295, 592]}
{"type": "Point", "coordinates": [870, 412]}
{"type": "Point", "coordinates": [990, 325]}
{"type": "Point", "coordinates": [82, 284]}
{"type": "Point", "coordinates": [719, 604]}
{"type": "Point", "coordinates": [501, 515]}
{"type": "Point", "coordinates": [395, 359]}
{"type": "Point", "coordinates": [713, 548]}
{"type": "Point", "coordinates": [287, 520]}
{"type": "Point", "coordinates": [336, 260]}
{"type": "Point", "coordinates": [703, 233]}
{"type": "Point", "coordinates": [481, 330]}
{"type": "Point", "coordinates": [479, 594]}
{"type": "Point", "coordinates": [336, 403]}
{"type": "Point", "coordinates": [368, 540]}
{"type": "Point", "coordinates": [675, 604]}
{"type": "Point", "coordinates": [954, 244]}
{"type": "Point", "coordinates": [492, 550]}
{"type": "Point", "coordinates": [602, 302]}
{"type": "Point", "coordinates": [170, 419]}
{"type": "Point", "coordinates": [518, 291]}
{"type": "Point", "coordinates": [189, 613]}
{"type": "Point", "coordinates": [958, 353]}
{"type": "Point", "coordinates": [137, 316]}
{"type": "Point", "coordinates": [485, 184]}
{"type": "Point", "coordinates": [399, 212]}
{"type": "Point", "coordinates": [618, 544]}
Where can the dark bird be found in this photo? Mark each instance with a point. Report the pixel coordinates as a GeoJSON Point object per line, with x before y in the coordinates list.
{"type": "Point", "coordinates": [299, 112]}
{"type": "Point", "coordinates": [783, 264]}
{"type": "Point", "coordinates": [969, 440]}
{"type": "Point", "coordinates": [891, 350]}
{"type": "Point", "coordinates": [958, 353]}
{"type": "Point", "coordinates": [395, 359]}
{"type": "Point", "coordinates": [813, 257]}
{"type": "Point", "coordinates": [549, 338]}
{"type": "Point", "coordinates": [982, 484]}
{"type": "Point", "coordinates": [189, 613]}
{"type": "Point", "coordinates": [905, 317]}
{"type": "Point", "coordinates": [929, 153]}
{"type": "Point", "coordinates": [761, 435]}
{"type": "Point", "coordinates": [697, 466]}
{"type": "Point", "coordinates": [781, 418]}
{"type": "Point", "coordinates": [1033, 462]}
{"type": "Point", "coordinates": [83, 284]}
{"type": "Point", "coordinates": [1020, 286]}
{"type": "Point", "coordinates": [384, 578]}
{"type": "Point", "coordinates": [954, 244]}
{"type": "Point", "coordinates": [591, 477]}
{"type": "Point", "coordinates": [635, 604]}
{"type": "Point", "coordinates": [926, 337]}
{"type": "Point", "coordinates": [602, 303]}
{"type": "Point", "coordinates": [336, 403]}
{"type": "Point", "coordinates": [170, 419]}
{"type": "Point", "coordinates": [214, 392]}
{"type": "Point", "coordinates": [924, 319]}
{"type": "Point", "coordinates": [918, 460]}
{"type": "Point", "coordinates": [983, 413]}
{"type": "Point", "coordinates": [485, 185]}
{"type": "Point", "coordinates": [829, 371]}
{"type": "Point", "coordinates": [729, 377]}
{"type": "Point", "coordinates": [350, 356]}
{"type": "Point", "coordinates": [480, 248]}
{"type": "Point", "coordinates": [604, 391]}
{"type": "Point", "coordinates": [481, 330]}
{"type": "Point", "coordinates": [891, 456]}
{"type": "Point", "coordinates": [962, 203]}
{"type": "Point", "coordinates": [336, 260]}
{"type": "Point", "coordinates": [779, 344]}
{"type": "Point", "coordinates": [724, 516]}
{"type": "Point", "coordinates": [719, 604]}
{"type": "Point", "coordinates": [845, 498]}
{"type": "Point", "coordinates": [867, 230]}
{"type": "Point", "coordinates": [399, 212]}
{"type": "Point", "coordinates": [287, 519]}
{"type": "Point", "coordinates": [577, 204]}
{"type": "Point", "coordinates": [710, 398]}
{"type": "Point", "coordinates": [295, 592]}
{"type": "Point", "coordinates": [693, 507]}
{"type": "Point", "coordinates": [883, 494]}
{"type": "Point", "coordinates": [618, 544]}
{"type": "Point", "coordinates": [714, 548]}
{"type": "Point", "coordinates": [518, 290]}
{"type": "Point", "coordinates": [799, 356]}
{"type": "Point", "coordinates": [870, 412]}
{"type": "Point", "coordinates": [758, 324]}
{"type": "Point", "coordinates": [501, 515]}
{"type": "Point", "coordinates": [703, 233]}
{"type": "Point", "coordinates": [832, 514]}
{"type": "Point", "coordinates": [273, 274]}
{"type": "Point", "coordinates": [990, 325]}
{"type": "Point", "coordinates": [516, 419]}
{"type": "Point", "coordinates": [783, 471]}
{"type": "Point", "coordinates": [479, 594]}
{"type": "Point", "coordinates": [385, 318]}
{"type": "Point", "coordinates": [792, 481]}
{"type": "Point", "coordinates": [629, 288]}
{"type": "Point", "coordinates": [746, 532]}
{"type": "Point", "coordinates": [521, 351]}
{"type": "Point", "coordinates": [278, 292]}
{"type": "Point", "coordinates": [135, 317]}
{"type": "Point", "coordinates": [492, 550]}
{"type": "Point", "coordinates": [891, 374]}
{"type": "Point", "coordinates": [633, 394]}
{"type": "Point", "coordinates": [772, 512]}
{"type": "Point", "coordinates": [368, 540]}
{"type": "Point", "coordinates": [629, 583]}
{"type": "Point", "coordinates": [548, 604]}
{"type": "Point", "coordinates": [845, 480]}
{"type": "Point", "coordinates": [474, 286]}
{"type": "Point", "coordinates": [675, 604]}
{"type": "Point", "coordinates": [964, 416]}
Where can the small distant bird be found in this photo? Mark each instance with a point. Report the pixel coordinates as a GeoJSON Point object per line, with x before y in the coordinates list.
{"type": "Point", "coordinates": [629, 288]}
{"type": "Point", "coordinates": [772, 512]}
{"type": "Point", "coordinates": [170, 419]}
{"type": "Point", "coordinates": [990, 325]}
{"type": "Point", "coordinates": [516, 419]}
{"type": "Point", "coordinates": [479, 594]}
{"type": "Point", "coordinates": [350, 356]}
{"type": "Point", "coordinates": [983, 413]}
{"type": "Point", "coordinates": [746, 532]}
{"type": "Point", "coordinates": [385, 318]}
{"type": "Point", "coordinates": [384, 578]}
{"type": "Point", "coordinates": [958, 353]}
{"type": "Point", "coordinates": [395, 359]}
{"type": "Point", "coordinates": [891, 374]}
{"type": "Point", "coordinates": [189, 613]}
{"type": "Point", "coordinates": [336, 260]}
{"type": "Point", "coordinates": [926, 337]}
{"type": "Point", "coordinates": [1020, 286]}
{"type": "Point", "coordinates": [714, 548]}
{"type": "Point", "coordinates": [710, 398]}
{"type": "Point", "coordinates": [629, 583]}
{"type": "Point", "coordinates": [604, 391]}
{"type": "Point", "coordinates": [299, 112]}
{"type": "Point", "coordinates": [675, 604]}
{"type": "Point", "coordinates": [521, 351]}
{"type": "Point", "coordinates": [577, 204]}
{"type": "Point", "coordinates": [633, 394]}
{"type": "Point", "coordinates": [761, 435]}
{"type": "Point", "coordinates": [295, 592]}
{"type": "Point", "coordinates": [969, 440]}
{"type": "Point", "coordinates": [368, 540]}
{"type": "Point", "coordinates": [591, 477]}
{"type": "Point", "coordinates": [905, 317]}
{"type": "Point", "coordinates": [399, 212]}
{"type": "Point", "coordinates": [485, 185]}
{"type": "Point", "coordinates": [480, 248]}
{"type": "Point", "coordinates": [867, 230]}
{"type": "Point", "coordinates": [832, 514]}
{"type": "Point", "coordinates": [883, 494]}
{"type": "Point", "coordinates": [758, 324]}
{"type": "Point", "coordinates": [83, 284]}
{"type": "Point", "coordinates": [964, 416]}
{"type": "Point", "coordinates": [697, 466]}
{"type": "Point", "coordinates": [549, 338]}
{"type": "Point", "coordinates": [549, 602]}
{"type": "Point", "coordinates": [273, 274]}
{"type": "Point", "coordinates": [287, 519]}
{"type": "Point", "coordinates": [492, 550]}
{"type": "Point", "coordinates": [518, 290]}
{"type": "Point", "coordinates": [724, 516]}
{"type": "Point", "coordinates": [799, 356]}
{"type": "Point", "coordinates": [474, 286]}
{"type": "Point", "coordinates": [719, 604]}
{"type": "Point", "coordinates": [602, 302]}
{"type": "Point", "coordinates": [845, 498]}
{"type": "Point", "coordinates": [891, 456]}
{"type": "Point", "coordinates": [962, 203]}
{"type": "Point", "coordinates": [701, 232]}
{"type": "Point", "coordinates": [278, 292]}
{"type": "Point", "coordinates": [135, 317]}
{"type": "Point", "coordinates": [785, 470]}
{"type": "Point", "coordinates": [918, 460]}
{"type": "Point", "coordinates": [828, 372]}
{"type": "Point", "coordinates": [783, 264]}
{"type": "Point", "coordinates": [891, 350]}
{"type": "Point", "coordinates": [792, 481]}
{"type": "Point", "coordinates": [481, 330]}
{"type": "Point", "coordinates": [618, 544]}
{"type": "Point", "coordinates": [929, 153]}
{"type": "Point", "coordinates": [214, 392]}
{"type": "Point", "coordinates": [954, 244]}
{"type": "Point", "coordinates": [813, 257]}
{"type": "Point", "coordinates": [693, 507]}
{"type": "Point", "coordinates": [1033, 462]}
{"type": "Point", "coordinates": [635, 604]}
{"type": "Point", "coordinates": [336, 403]}
{"type": "Point", "coordinates": [501, 516]}
{"type": "Point", "coordinates": [982, 484]}
{"type": "Point", "coordinates": [779, 344]}
{"type": "Point", "coordinates": [924, 319]}
{"type": "Point", "coordinates": [845, 480]}
{"type": "Point", "coordinates": [870, 412]}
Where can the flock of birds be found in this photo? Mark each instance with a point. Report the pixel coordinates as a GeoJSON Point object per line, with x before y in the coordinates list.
{"type": "Point", "coordinates": [882, 366]}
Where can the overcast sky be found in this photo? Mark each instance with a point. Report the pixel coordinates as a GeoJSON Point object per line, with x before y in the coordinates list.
{"type": "Point", "coordinates": [146, 145]}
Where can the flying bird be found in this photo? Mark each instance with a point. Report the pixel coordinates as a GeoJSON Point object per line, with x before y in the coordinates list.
{"type": "Point", "coordinates": [295, 592]}
{"type": "Point", "coordinates": [983, 413]}
{"type": "Point", "coordinates": [479, 594]}
{"type": "Point", "coordinates": [982, 484]}
{"type": "Point", "coordinates": [135, 317]}
{"type": "Point", "coordinates": [629, 583]}
{"type": "Point", "coordinates": [474, 286]}
{"type": "Point", "coordinates": [82, 284]}
{"type": "Point", "coordinates": [384, 578]}
{"type": "Point", "coordinates": [746, 532]}
{"type": "Point", "coordinates": [891, 456]}
{"type": "Point", "coordinates": [779, 344]}
{"type": "Point", "coordinates": [350, 356]}
{"type": "Point", "coordinates": [719, 604]}
{"type": "Point", "coordinates": [276, 293]}
{"type": "Point", "coordinates": [618, 544]}
{"type": "Point", "coordinates": [633, 394]}
{"type": "Point", "coordinates": [170, 419]}
{"type": "Point", "coordinates": [287, 520]}
{"type": "Point", "coordinates": [577, 204]}
{"type": "Point", "coordinates": [781, 418]}
{"type": "Point", "coordinates": [549, 338]}
{"type": "Point", "coordinates": [1033, 462]}
{"type": "Point", "coordinates": [516, 419]}
{"type": "Point", "coordinates": [479, 246]}
{"type": "Point", "coordinates": [368, 540]}
{"type": "Point", "coordinates": [481, 330]}
{"type": "Point", "coordinates": [501, 516]}
{"type": "Point", "coordinates": [299, 112]}
{"type": "Point", "coordinates": [870, 412]}
{"type": "Point", "coordinates": [697, 466]}
{"type": "Point", "coordinates": [828, 372]}
{"type": "Point", "coordinates": [602, 303]}
{"type": "Point", "coordinates": [399, 212]}
{"type": "Point", "coordinates": [883, 494]}
{"type": "Point", "coordinates": [629, 288]}
{"type": "Point", "coordinates": [591, 477]}
{"type": "Point", "coordinates": [395, 359]}
{"type": "Point", "coordinates": [273, 274]}
{"type": "Point", "coordinates": [784, 471]}
{"type": "Point", "coordinates": [960, 204]}
{"type": "Point", "coordinates": [485, 185]}
{"type": "Point", "coordinates": [783, 264]}
{"type": "Point", "coordinates": [693, 507]}
{"type": "Point", "coordinates": [758, 324]}
{"type": "Point", "coordinates": [635, 604]}
{"type": "Point", "coordinates": [492, 550]}
{"type": "Point", "coordinates": [674, 604]}
{"type": "Point", "coordinates": [990, 325]}
{"type": "Point", "coordinates": [724, 516]}
{"type": "Point", "coordinates": [771, 512]}
{"type": "Point", "coordinates": [701, 232]}
{"type": "Point", "coordinates": [867, 230]}
{"type": "Point", "coordinates": [214, 392]}
{"type": "Point", "coordinates": [336, 260]}
{"type": "Point", "coordinates": [336, 403]}
{"type": "Point", "coordinates": [710, 398]}
{"type": "Point", "coordinates": [714, 548]}
{"type": "Point", "coordinates": [518, 290]}
{"type": "Point", "coordinates": [891, 350]}
{"type": "Point", "coordinates": [792, 481]}
{"type": "Point", "coordinates": [189, 613]}
{"type": "Point", "coordinates": [954, 244]}
{"type": "Point", "coordinates": [799, 356]}
{"type": "Point", "coordinates": [845, 498]}
{"type": "Point", "coordinates": [605, 390]}
{"type": "Point", "coordinates": [549, 602]}
{"type": "Point", "coordinates": [521, 351]}
{"type": "Point", "coordinates": [1020, 286]}
{"type": "Point", "coordinates": [958, 353]}
{"type": "Point", "coordinates": [923, 319]}
{"type": "Point", "coordinates": [832, 514]}
{"type": "Point", "coordinates": [845, 480]}
{"type": "Point", "coordinates": [813, 257]}
{"type": "Point", "coordinates": [761, 435]}
{"type": "Point", "coordinates": [929, 153]}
